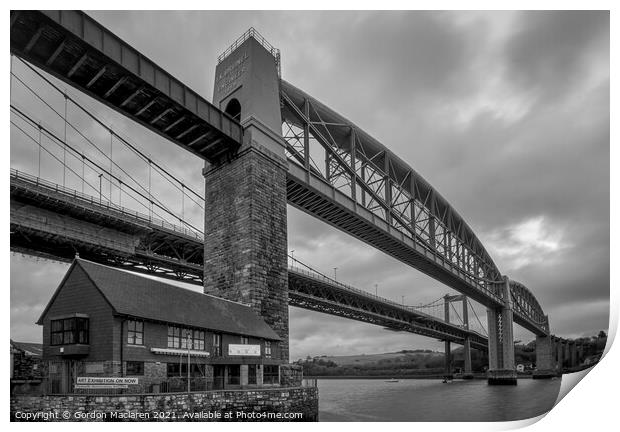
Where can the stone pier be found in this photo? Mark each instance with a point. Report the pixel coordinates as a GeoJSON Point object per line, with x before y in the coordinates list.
{"type": "Point", "coordinates": [545, 358]}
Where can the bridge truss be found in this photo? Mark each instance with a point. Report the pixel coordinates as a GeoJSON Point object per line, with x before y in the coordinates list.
{"type": "Point", "coordinates": [359, 186]}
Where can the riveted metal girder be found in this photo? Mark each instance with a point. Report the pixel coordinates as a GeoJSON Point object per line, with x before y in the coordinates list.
{"type": "Point", "coordinates": [81, 52]}
{"type": "Point", "coordinates": [345, 177]}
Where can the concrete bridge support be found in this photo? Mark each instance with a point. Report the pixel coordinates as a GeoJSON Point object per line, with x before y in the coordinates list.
{"type": "Point", "coordinates": [573, 354]}
{"type": "Point", "coordinates": [545, 357]}
{"type": "Point", "coordinates": [559, 356]}
{"type": "Point", "coordinates": [579, 350]}
{"type": "Point", "coordinates": [245, 257]}
{"type": "Point", "coordinates": [501, 342]}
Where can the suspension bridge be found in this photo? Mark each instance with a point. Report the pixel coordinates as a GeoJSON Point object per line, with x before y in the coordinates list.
{"type": "Point", "coordinates": [265, 144]}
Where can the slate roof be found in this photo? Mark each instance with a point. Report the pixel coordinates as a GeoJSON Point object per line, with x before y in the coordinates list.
{"type": "Point", "coordinates": [142, 297]}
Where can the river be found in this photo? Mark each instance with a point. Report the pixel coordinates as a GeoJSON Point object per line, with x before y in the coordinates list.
{"type": "Point", "coordinates": [431, 400]}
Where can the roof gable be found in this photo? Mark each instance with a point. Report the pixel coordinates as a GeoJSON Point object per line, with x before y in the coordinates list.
{"type": "Point", "coordinates": [139, 296]}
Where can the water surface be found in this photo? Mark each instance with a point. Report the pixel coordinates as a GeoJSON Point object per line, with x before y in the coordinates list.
{"type": "Point", "coordinates": [431, 400]}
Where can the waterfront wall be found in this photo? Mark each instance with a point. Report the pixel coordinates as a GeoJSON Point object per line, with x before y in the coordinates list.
{"type": "Point", "coordinates": [281, 404]}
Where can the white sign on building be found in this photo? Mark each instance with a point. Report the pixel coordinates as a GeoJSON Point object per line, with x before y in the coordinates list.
{"type": "Point", "coordinates": [243, 350]}
{"type": "Point", "coordinates": [106, 381]}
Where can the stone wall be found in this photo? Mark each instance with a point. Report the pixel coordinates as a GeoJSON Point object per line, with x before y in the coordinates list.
{"type": "Point", "coordinates": [291, 375]}
{"type": "Point", "coordinates": [26, 367]}
{"type": "Point", "coordinates": [231, 405]}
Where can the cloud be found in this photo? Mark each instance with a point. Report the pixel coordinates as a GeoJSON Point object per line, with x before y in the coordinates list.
{"type": "Point", "coordinates": [530, 241]}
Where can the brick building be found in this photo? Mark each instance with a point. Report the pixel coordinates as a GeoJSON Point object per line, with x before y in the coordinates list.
{"type": "Point", "coordinates": [108, 323]}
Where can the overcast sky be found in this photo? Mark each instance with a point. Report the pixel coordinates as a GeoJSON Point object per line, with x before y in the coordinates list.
{"type": "Point", "coordinates": [505, 113]}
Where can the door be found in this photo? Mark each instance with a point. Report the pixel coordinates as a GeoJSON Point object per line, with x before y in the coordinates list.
{"type": "Point", "coordinates": [218, 377]}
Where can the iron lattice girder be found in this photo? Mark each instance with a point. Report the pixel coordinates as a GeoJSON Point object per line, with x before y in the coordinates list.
{"type": "Point", "coordinates": [389, 168]}
{"type": "Point", "coordinates": [393, 187]}
{"type": "Point", "coordinates": [79, 51]}
{"type": "Point", "coordinates": [415, 227]}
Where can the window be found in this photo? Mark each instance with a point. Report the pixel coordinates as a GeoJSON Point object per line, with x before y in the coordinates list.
{"type": "Point", "coordinates": [69, 331]}
{"type": "Point", "coordinates": [135, 332]}
{"type": "Point", "coordinates": [186, 336]}
{"type": "Point", "coordinates": [233, 109]}
{"type": "Point", "coordinates": [267, 348]}
{"type": "Point", "coordinates": [178, 337]}
{"type": "Point", "coordinates": [135, 368]}
{"type": "Point", "coordinates": [251, 374]}
{"type": "Point", "coordinates": [271, 374]}
{"type": "Point", "coordinates": [174, 337]}
{"type": "Point", "coordinates": [199, 340]}
{"type": "Point", "coordinates": [217, 344]}
{"type": "Point", "coordinates": [245, 340]}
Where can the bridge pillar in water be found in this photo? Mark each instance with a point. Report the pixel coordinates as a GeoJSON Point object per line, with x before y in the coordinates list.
{"type": "Point", "coordinates": [545, 357]}
{"type": "Point", "coordinates": [245, 257]}
{"type": "Point", "coordinates": [573, 354]}
{"type": "Point", "coordinates": [579, 350]}
{"type": "Point", "coordinates": [560, 356]}
{"type": "Point", "coordinates": [501, 342]}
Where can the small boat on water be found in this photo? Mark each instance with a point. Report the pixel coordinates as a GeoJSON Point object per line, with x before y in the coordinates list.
{"type": "Point", "coordinates": [392, 380]}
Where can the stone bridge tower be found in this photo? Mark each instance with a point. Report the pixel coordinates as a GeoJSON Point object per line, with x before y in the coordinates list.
{"type": "Point", "coordinates": [245, 256]}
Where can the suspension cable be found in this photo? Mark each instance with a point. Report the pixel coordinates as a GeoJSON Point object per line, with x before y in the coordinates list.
{"type": "Point", "coordinates": [47, 151]}
{"type": "Point", "coordinates": [87, 139]}
{"type": "Point", "coordinates": [476, 315]}
{"type": "Point", "coordinates": [457, 313]}
{"type": "Point", "coordinates": [58, 159]}
{"type": "Point", "coordinates": [70, 169]}
{"type": "Point", "coordinates": [110, 175]}
{"type": "Point", "coordinates": [170, 177]}
{"type": "Point", "coordinates": [31, 120]}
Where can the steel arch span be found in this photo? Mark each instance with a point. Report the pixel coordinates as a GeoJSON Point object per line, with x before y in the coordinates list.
{"type": "Point", "coordinates": [342, 175]}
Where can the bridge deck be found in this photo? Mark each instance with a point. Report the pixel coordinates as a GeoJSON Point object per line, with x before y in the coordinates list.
{"type": "Point", "coordinates": [79, 51]}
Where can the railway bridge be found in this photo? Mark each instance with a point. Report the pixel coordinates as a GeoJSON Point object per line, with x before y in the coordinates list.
{"type": "Point", "coordinates": [265, 143]}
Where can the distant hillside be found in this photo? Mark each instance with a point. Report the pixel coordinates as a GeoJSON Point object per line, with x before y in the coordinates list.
{"type": "Point", "coordinates": [402, 363]}
{"type": "Point", "coordinates": [425, 362]}
{"type": "Point", "coordinates": [383, 358]}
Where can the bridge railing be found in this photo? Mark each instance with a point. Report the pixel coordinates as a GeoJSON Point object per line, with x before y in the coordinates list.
{"type": "Point", "coordinates": [89, 199]}
{"type": "Point", "coordinates": [252, 33]}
